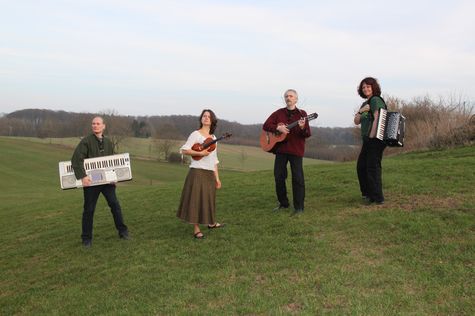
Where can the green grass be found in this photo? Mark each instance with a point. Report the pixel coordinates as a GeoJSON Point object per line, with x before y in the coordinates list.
{"type": "Point", "coordinates": [413, 255]}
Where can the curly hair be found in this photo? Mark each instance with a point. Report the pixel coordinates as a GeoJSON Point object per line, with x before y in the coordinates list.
{"type": "Point", "coordinates": [370, 81]}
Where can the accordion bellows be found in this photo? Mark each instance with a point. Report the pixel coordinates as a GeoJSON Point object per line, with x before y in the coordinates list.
{"type": "Point", "coordinates": [101, 170]}
{"type": "Point", "coordinates": [390, 128]}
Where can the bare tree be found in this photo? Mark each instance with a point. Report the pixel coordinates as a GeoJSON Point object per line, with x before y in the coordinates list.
{"type": "Point", "coordinates": [117, 127]}
{"type": "Point", "coordinates": [164, 148]}
{"type": "Point", "coordinates": [243, 156]}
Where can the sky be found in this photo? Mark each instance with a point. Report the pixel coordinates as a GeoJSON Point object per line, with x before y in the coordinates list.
{"type": "Point", "coordinates": [152, 57]}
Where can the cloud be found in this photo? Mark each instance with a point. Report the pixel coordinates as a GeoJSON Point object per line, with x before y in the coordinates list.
{"type": "Point", "coordinates": [153, 57]}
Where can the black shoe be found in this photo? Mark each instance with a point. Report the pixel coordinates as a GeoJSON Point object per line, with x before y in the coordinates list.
{"type": "Point", "coordinates": [124, 236]}
{"type": "Point", "coordinates": [371, 201]}
{"type": "Point", "coordinates": [87, 243]}
{"type": "Point", "coordinates": [297, 212]}
{"type": "Point", "coordinates": [280, 207]}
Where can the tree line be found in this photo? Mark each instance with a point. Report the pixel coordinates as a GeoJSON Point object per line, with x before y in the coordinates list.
{"type": "Point", "coordinates": [56, 124]}
{"type": "Point", "coordinates": [429, 124]}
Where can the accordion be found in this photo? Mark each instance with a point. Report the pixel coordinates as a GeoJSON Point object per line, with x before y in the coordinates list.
{"type": "Point", "coordinates": [101, 170]}
{"type": "Point", "coordinates": [390, 128]}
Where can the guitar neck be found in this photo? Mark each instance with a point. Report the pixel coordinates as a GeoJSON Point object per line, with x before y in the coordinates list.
{"type": "Point", "coordinates": [293, 124]}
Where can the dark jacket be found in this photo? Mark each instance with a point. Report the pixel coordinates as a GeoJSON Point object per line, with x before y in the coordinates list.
{"type": "Point", "coordinates": [90, 147]}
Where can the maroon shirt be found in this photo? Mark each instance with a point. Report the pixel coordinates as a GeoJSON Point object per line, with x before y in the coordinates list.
{"type": "Point", "coordinates": [294, 144]}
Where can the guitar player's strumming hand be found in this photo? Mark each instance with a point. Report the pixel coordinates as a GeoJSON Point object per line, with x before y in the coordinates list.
{"type": "Point", "coordinates": [283, 129]}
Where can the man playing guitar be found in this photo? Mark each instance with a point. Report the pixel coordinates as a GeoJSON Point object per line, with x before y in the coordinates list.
{"type": "Point", "coordinates": [290, 150]}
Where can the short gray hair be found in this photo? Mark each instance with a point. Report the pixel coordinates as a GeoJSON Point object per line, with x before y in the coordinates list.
{"type": "Point", "coordinates": [293, 91]}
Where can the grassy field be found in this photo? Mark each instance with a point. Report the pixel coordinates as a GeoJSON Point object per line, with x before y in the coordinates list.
{"type": "Point", "coordinates": [413, 255]}
{"type": "Point", "coordinates": [232, 157]}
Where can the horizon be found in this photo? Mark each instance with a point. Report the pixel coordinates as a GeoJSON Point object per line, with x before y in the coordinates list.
{"type": "Point", "coordinates": [161, 58]}
{"type": "Point", "coordinates": [148, 116]}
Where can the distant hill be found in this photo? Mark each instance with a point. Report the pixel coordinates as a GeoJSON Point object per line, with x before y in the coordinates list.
{"type": "Point", "coordinates": [429, 124]}
{"type": "Point", "coordinates": [328, 143]}
{"type": "Point", "coordinates": [48, 123]}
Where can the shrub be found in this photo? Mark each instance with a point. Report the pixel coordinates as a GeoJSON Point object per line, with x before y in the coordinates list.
{"type": "Point", "coordinates": [175, 157]}
{"type": "Point", "coordinates": [462, 135]}
{"type": "Point", "coordinates": [435, 124]}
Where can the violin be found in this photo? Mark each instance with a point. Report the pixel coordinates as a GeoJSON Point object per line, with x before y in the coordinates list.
{"type": "Point", "coordinates": [209, 144]}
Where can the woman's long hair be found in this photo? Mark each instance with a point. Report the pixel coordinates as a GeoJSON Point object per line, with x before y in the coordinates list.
{"type": "Point", "coordinates": [214, 120]}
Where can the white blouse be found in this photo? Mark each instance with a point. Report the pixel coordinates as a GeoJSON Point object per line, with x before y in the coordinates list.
{"type": "Point", "coordinates": [208, 162]}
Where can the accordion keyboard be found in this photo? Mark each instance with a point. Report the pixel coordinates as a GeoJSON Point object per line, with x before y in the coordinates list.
{"type": "Point", "coordinates": [381, 126]}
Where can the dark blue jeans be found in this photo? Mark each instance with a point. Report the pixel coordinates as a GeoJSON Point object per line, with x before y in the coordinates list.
{"type": "Point", "coordinates": [298, 183]}
{"type": "Point", "coordinates": [369, 169]}
{"type": "Point", "coordinates": [91, 194]}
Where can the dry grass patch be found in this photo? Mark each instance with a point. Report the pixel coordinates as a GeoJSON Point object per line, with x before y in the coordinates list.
{"type": "Point", "coordinates": [417, 202]}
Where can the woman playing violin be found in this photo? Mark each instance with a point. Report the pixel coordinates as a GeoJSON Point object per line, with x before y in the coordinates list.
{"type": "Point", "coordinates": [198, 198]}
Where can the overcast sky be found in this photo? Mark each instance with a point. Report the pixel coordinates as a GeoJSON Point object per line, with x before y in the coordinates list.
{"type": "Point", "coordinates": [147, 57]}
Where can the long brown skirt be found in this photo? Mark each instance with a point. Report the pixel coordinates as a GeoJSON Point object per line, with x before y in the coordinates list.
{"type": "Point", "coordinates": [198, 198]}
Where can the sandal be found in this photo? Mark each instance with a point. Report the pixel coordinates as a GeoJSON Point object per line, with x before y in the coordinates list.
{"type": "Point", "coordinates": [198, 236]}
{"type": "Point", "coordinates": [217, 225]}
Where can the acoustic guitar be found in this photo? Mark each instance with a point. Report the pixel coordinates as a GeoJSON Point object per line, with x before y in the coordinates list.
{"type": "Point", "coordinates": [209, 144]}
{"type": "Point", "coordinates": [269, 140]}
